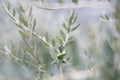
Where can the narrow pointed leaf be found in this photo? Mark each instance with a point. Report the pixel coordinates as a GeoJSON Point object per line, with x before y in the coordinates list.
{"type": "Point", "coordinates": [22, 19]}
{"type": "Point", "coordinates": [26, 42]}
{"type": "Point", "coordinates": [67, 58]}
{"type": "Point", "coordinates": [8, 5]}
{"type": "Point", "coordinates": [14, 11]}
{"type": "Point", "coordinates": [106, 16]}
{"type": "Point", "coordinates": [23, 34]}
{"type": "Point", "coordinates": [59, 40]}
{"type": "Point", "coordinates": [60, 1]}
{"type": "Point", "coordinates": [46, 36]}
{"type": "Point", "coordinates": [71, 17]}
{"type": "Point", "coordinates": [65, 26]}
{"type": "Point", "coordinates": [53, 42]}
{"type": "Point", "coordinates": [9, 14]}
{"type": "Point", "coordinates": [75, 27]}
{"type": "Point", "coordinates": [61, 49]}
{"type": "Point", "coordinates": [74, 19]}
{"type": "Point", "coordinates": [75, 1]}
{"type": "Point", "coordinates": [21, 7]}
{"type": "Point", "coordinates": [34, 24]}
{"type": "Point", "coordinates": [62, 34]}
{"type": "Point", "coordinates": [101, 17]}
{"type": "Point", "coordinates": [70, 38]}
{"type": "Point", "coordinates": [30, 11]}
{"type": "Point", "coordinates": [70, 42]}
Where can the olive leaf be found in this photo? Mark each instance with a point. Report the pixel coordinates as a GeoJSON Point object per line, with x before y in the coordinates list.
{"type": "Point", "coordinates": [71, 17]}
{"type": "Point", "coordinates": [75, 27]}
{"type": "Point", "coordinates": [34, 24]}
{"type": "Point", "coordinates": [21, 7]}
{"type": "Point", "coordinates": [8, 5]}
{"type": "Point", "coordinates": [64, 26]}
{"type": "Point", "coordinates": [22, 19]}
{"type": "Point", "coordinates": [53, 42]}
{"type": "Point", "coordinates": [62, 34]}
{"type": "Point", "coordinates": [14, 12]}
{"type": "Point", "coordinates": [30, 11]}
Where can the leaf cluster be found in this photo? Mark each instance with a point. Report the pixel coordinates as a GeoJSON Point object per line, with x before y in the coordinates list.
{"type": "Point", "coordinates": [26, 23]}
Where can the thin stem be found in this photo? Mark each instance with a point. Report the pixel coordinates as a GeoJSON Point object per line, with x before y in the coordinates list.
{"type": "Point", "coordinates": [61, 72]}
{"type": "Point", "coordinates": [69, 6]}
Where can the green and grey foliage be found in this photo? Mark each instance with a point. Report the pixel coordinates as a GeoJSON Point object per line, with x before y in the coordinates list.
{"type": "Point", "coordinates": [30, 54]}
{"type": "Point", "coordinates": [110, 70]}
{"type": "Point", "coordinates": [40, 52]}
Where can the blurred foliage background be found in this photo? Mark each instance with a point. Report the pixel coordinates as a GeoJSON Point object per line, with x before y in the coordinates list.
{"type": "Point", "coordinates": [94, 54]}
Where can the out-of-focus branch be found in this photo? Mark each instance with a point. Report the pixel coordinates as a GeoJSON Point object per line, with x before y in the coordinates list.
{"type": "Point", "coordinates": [29, 30]}
{"type": "Point", "coordinates": [55, 6]}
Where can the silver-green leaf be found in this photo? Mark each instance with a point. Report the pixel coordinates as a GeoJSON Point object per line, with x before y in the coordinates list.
{"type": "Point", "coordinates": [75, 27]}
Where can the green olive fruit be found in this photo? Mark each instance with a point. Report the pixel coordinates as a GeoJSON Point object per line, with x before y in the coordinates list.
{"type": "Point", "coordinates": [61, 55]}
